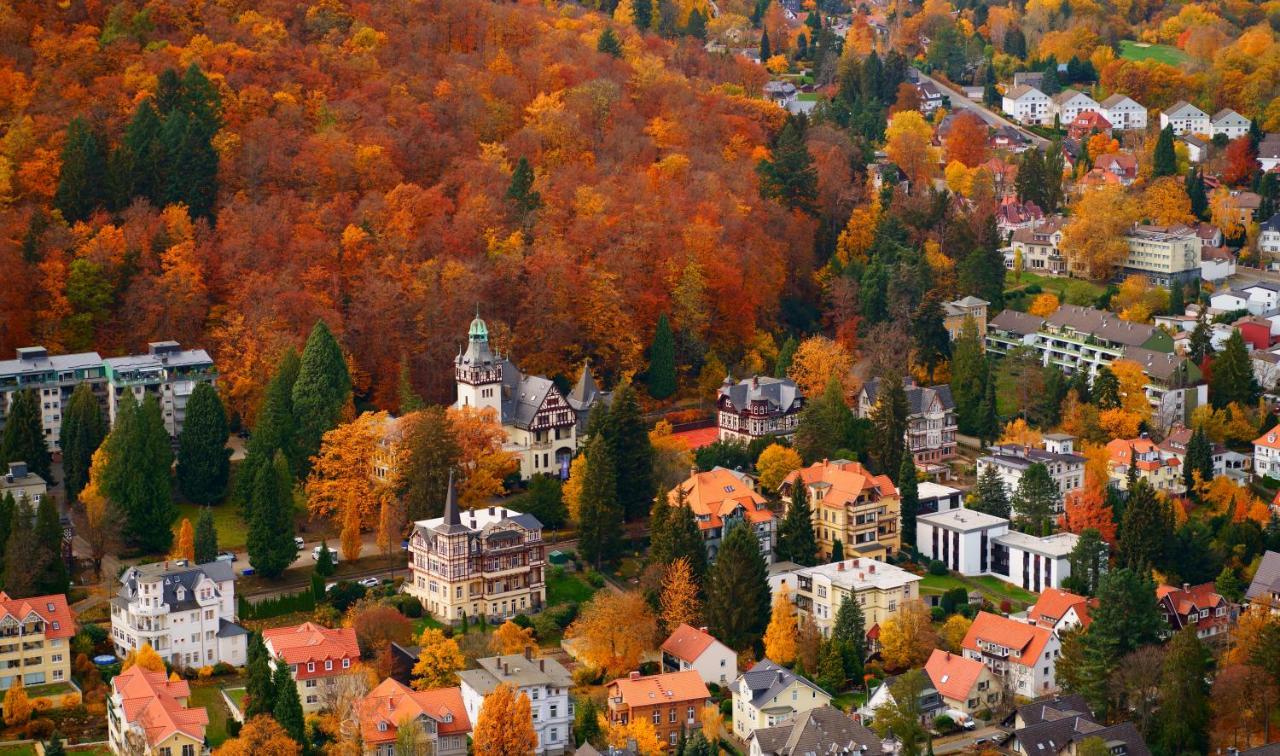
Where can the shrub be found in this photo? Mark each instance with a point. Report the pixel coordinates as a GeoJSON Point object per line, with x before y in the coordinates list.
{"type": "Point", "coordinates": [545, 626]}
{"type": "Point", "coordinates": [69, 700]}
{"type": "Point", "coordinates": [726, 708]}
{"type": "Point", "coordinates": [41, 705]}
{"type": "Point", "coordinates": [1005, 606]}
{"type": "Point", "coordinates": [953, 599]}
{"type": "Point", "coordinates": [564, 614]}
{"type": "Point", "coordinates": [408, 605]}
{"type": "Point", "coordinates": [233, 727]}
{"type": "Point", "coordinates": [222, 668]}
{"type": "Point", "coordinates": [1033, 289]}
{"type": "Point", "coordinates": [937, 613]}
{"type": "Point", "coordinates": [936, 567]}
{"type": "Point", "coordinates": [595, 579]}
{"type": "Point", "coordinates": [205, 672]}
{"type": "Point", "coordinates": [522, 620]}
{"type": "Point", "coordinates": [944, 724]}
{"type": "Point", "coordinates": [587, 675]}
{"type": "Point", "coordinates": [39, 729]}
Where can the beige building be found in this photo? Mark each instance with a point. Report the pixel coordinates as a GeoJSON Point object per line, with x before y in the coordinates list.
{"type": "Point", "coordinates": [35, 640]}
{"type": "Point", "coordinates": [966, 685]}
{"type": "Point", "coordinates": [769, 694]}
{"type": "Point", "coordinates": [22, 484]}
{"type": "Point", "coordinates": [390, 705]}
{"type": "Point", "coordinates": [482, 561]}
{"type": "Point", "coordinates": [849, 505]}
{"type": "Point", "coordinates": [148, 714]}
{"type": "Point", "coordinates": [319, 660]}
{"type": "Point", "coordinates": [954, 314]}
{"type": "Point", "coordinates": [879, 588]}
{"type": "Point", "coordinates": [1166, 255]}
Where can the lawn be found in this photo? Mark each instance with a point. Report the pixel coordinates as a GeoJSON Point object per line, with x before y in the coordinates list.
{"type": "Point", "coordinates": [1160, 53]}
{"type": "Point", "coordinates": [849, 700]}
{"type": "Point", "coordinates": [210, 697]}
{"type": "Point", "coordinates": [1069, 290]}
{"type": "Point", "coordinates": [233, 532]}
{"type": "Point", "coordinates": [994, 589]}
{"type": "Point", "coordinates": [563, 587]}
{"type": "Point", "coordinates": [50, 689]}
{"type": "Point", "coordinates": [237, 697]}
{"type": "Point", "coordinates": [97, 750]}
{"type": "Point", "coordinates": [24, 749]}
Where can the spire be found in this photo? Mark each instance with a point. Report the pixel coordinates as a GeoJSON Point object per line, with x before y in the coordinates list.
{"type": "Point", "coordinates": [451, 514]}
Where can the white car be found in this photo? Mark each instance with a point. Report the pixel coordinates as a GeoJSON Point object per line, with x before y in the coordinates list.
{"type": "Point", "coordinates": [297, 541]}
{"type": "Point", "coordinates": [370, 582]}
{"type": "Point", "coordinates": [315, 554]}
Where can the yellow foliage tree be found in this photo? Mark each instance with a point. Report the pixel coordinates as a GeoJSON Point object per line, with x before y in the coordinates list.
{"type": "Point", "coordinates": [858, 235]}
{"type": "Point", "coordinates": [510, 638]}
{"type": "Point", "coordinates": [1224, 212]}
{"type": "Point", "coordinates": [571, 491]}
{"type": "Point", "coordinates": [908, 638]}
{"type": "Point", "coordinates": [614, 631]}
{"type": "Point", "coordinates": [959, 178]}
{"type": "Point", "coordinates": [17, 707]}
{"type": "Point", "coordinates": [260, 736]}
{"type": "Point", "coordinates": [951, 636]}
{"type": "Point", "coordinates": [638, 732]}
{"type": "Point", "coordinates": [1166, 203]}
{"type": "Point", "coordinates": [777, 65]}
{"type": "Point", "coordinates": [185, 547]}
{"type": "Point", "coordinates": [504, 726]}
{"type": "Point", "coordinates": [679, 600]}
{"type": "Point", "coordinates": [780, 635]}
{"type": "Point", "coordinates": [145, 657]}
{"type": "Point", "coordinates": [775, 463]}
{"type": "Point", "coordinates": [1133, 381]}
{"type": "Point", "coordinates": [1018, 433]}
{"type": "Point", "coordinates": [341, 473]}
{"type": "Point", "coordinates": [1044, 305]}
{"type": "Point", "coordinates": [909, 144]}
{"type": "Point", "coordinates": [483, 463]}
{"type": "Point", "coordinates": [438, 661]}
{"type": "Point", "coordinates": [1119, 423]}
{"type": "Point", "coordinates": [816, 361]}
{"type": "Point", "coordinates": [1093, 240]}
{"type": "Point", "coordinates": [350, 541]}
{"type": "Point", "coordinates": [1137, 299]}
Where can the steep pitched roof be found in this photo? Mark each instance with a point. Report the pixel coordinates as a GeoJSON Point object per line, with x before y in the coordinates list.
{"type": "Point", "coordinates": [919, 398]}
{"type": "Point", "coordinates": [310, 642]}
{"type": "Point", "coordinates": [1184, 109]}
{"type": "Point", "coordinates": [767, 679]}
{"type": "Point", "coordinates": [720, 493]}
{"type": "Point", "coordinates": [846, 481]}
{"type": "Point", "coordinates": [780, 394]}
{"type": "Point", "coordinates": [60, 621]}
{"type": "Point", "coordinates": [952, 674]}
{"type": "Point", "coordinates": [1025, 642]}
{"type": "Point", "coordinates": [155, 703]}
{"type": "Point", "coordinates": [824, 730]}
{"type": "Point", "coordinates": [387, 705]}
{"type": "Point", "coordinates": [1270, 439]}
{"type": "Point", "coordinates": [688, 643]}
{"type": "Point", "coordinates": [1054, 603]}
{"type": "Point", "coordinates": [1266, 581]}
{"type": "Point", "coordinates": [669, 687]}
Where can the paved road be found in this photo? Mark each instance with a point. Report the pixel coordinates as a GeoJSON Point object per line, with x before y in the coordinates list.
{"type": "Point", "coordinates": [961, 102]}
{"type": "Point", "coordinates": [965, 740]}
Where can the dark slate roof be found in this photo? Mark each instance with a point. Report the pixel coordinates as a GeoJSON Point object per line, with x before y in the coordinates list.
{"type": "Point", "coordinates": [1271, 749]}
{"type": "Point", "coordinates": [1013, 321]}
{"type": "Point", "coordinates": [781, 394]}
{"type": "Point", "coordinates": [1051, 708]}
{"type": "Point", "coordinates": [227, 629]}
{"type": "Point", "coordinates": [1054, 736]}
{"type": "Point", "coordinates": [1272, 223]}
{"type": "Point", "coordinates": [1162, 366]}
{"type": "Point", "coordinates": [522, 395]}
{"type": "Point", "coordinates": [766, 679]}
{"type": "Point", "coordinates": [918, 397]}
{"type": "Point", "coordinates": [1267, 579]}
{"type": "Point", "coordinates": [824, 730]}
{"type": "Point", "coordinates": [174, 578]}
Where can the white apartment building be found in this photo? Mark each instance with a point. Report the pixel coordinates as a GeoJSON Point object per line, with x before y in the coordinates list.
{"type": "Point", "coordinates": [1070, 103]}
{"type": "Point", "coordinates": [1229, 123]}
{"type": "Point", "coordinates": [975, 543]}
{"type": "Point", "coordinates": [1027, 105]}
{"type": "Point", "coordinates": [1011, 461]}
{"type": "Point", "coordinates": [167, 372]}
{"type": "Point", "coordinates": [1269, 238]}
{"type": "Point", "coordinates": [1266, 454]}
{"type": "Point", "coordinates": [187, 614]}
{"type": "Point", "coordinates": [1022, 655]}
{"type": "Point", "coordinates": [53, 378]}
{"type": "Point", "coordinates": [879, 588]}
{"type": "Point", "coordinates": [545, 681]}
{"type": "Point", "coordinates": [1124, 112]}
{"type": "Point", "coordinates": [1185, 118]}
{"type": "Point", "coordinates": [1166, 255]}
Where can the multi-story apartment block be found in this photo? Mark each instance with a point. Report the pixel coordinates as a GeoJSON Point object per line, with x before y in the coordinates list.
{"type": "Point", "coordinates": [1058, 455]}
{"type": "Point", "coordinates": [769, 694]}
{"type": "Point", "coordinates": [542, 425]}
{"type": "Point", "coordinates": [318, 659]}
{"type": "Point", "coordinates": [671, 701]}
{"type": "Point", "coordinates": [720, 499]}
{"type": "Point", "coordinates": [1175, 385]}
{"type": "Point", "coordinates": [955, 313]}
{"type": "Point", "coordinates": [1027, 105]}
{"type": "Point", "coordinates": [1124, 113]}
{"type": "Point", "coordinates": [758, 407]}
{"type": "Point", "coordinates": [1068, 104]}
{"type": "Point", "coordinates": [35, 640]}
{"type": "Point", "coordinates": [879, 588]}
{"type": "Point", "coordinates": [1158, 467]}
{"type": "Point", "coordinates": [1166, 255]}
{"type": "Point", "coordinates": [545, 681]}
{"type": "Point", "coordinates": [53, 378]}
{"type": "Point", "coordinates": [975, 543]}
{"type": "Point", "coordinates": [1186, 118]}
{"type": "Point", "coordinates": [1229, 123]}
{"type": "Point", "coordinates": [1037, 247]}
{"type": "Point", "coordinates": [483, 562]}
{"type": "Point", "coordinates": [147, 713]}
{"type": "Point", "coordinates": [1021, 655]}
{"type": "Point", "coordinates": [849, 505]}
{"type": "Point", "coordinates": [440, 712]}
{"type": "Point", "coordinates": [931, 419]}
{"type": "Point", "coordinates": [186, 614]}
{"type": "Point", "coordinates": [167, 371]}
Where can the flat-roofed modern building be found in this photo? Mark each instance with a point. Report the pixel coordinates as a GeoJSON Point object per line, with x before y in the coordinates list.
{"type": "Point", "coordinates": [879, 588]}
{"type": "Point", "coordinates": [975, 543]}
{"type": "Point", "coordinates": [166, 371]}
{"type": "Point", "coordinates": [53, 378]}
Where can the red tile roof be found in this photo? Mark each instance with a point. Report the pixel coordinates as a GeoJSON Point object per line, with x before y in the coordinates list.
{"type": "Point", "coordinates": [688, 642]}
{"type": "Point", "coordinates": [953, 675]}
{"type": "Point", "coordinates": [717, 494]}
{"type": "Point", "coordinates": [1270, 439]}
{"type": "Point", "coordinates": [157, 704]}
{"type": "Point", "coordinates": [1025, 642]}
{"type": "Point", "coordinates": [1190, 600]}
{"type": "Point", "coordinates": [387, 705]}
{"type": "Point", "coordinates": [312, 643]}
{"type": "Point", "coordinates": [653, 690]}
{"type": "Point", "coordinates": [847, 481]}
{"type": "Point", "coordinates": [60, 621]}
{"type": "Point", "coordinates": [1119, 450]}
{"type": "Point", "coordinates": [1054, 604]}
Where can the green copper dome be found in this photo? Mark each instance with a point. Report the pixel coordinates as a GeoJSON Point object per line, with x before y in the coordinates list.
{"type": "Point", "coordinates": [479, 331]}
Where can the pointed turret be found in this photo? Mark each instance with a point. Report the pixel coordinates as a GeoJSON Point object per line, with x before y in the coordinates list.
{"type": "Point", "coordinates": [451, 514]}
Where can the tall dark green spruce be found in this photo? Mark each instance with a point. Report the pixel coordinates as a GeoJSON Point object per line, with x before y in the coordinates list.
{"type": "Point", "coordinates": [1165, 159]}
{"type": "Point", "coordinates": [321, 393]}
{"type": "Point", "coordinates": [204, 461]}
{"type": "Point", "coordinates": [609, 44]}
{"type": "Point", "coordinates": [24, 559]}
{"type": "Point", "coordinates": [23, 439]}
{"type": "Point", "coordinates": [1231, 377]}
{"type": "Point", "coordinates": [274, 430]}
{"type": "Point", "coordinates": [82, 179]}
{"type": "Point", "coordinates": [1184, 705]}
{"type": "Point", "coordinates": [1035, 500]}
{"type": "Point", "coordinates": [271, 547]}
{"type": "Point", "coordinates": [889, 426]}
{"type": "Point", "coordinates": [206, 541]}
{"type": "Point", "coordinates": [662, 361]}
{"type": "Point", "coordinates": [738, 601]}
{"type": "Point", "coordinates": [191, 162]}
{"type": "Point", "coordinates": [1199, 459]}
{"type": "Point", "coordinates": [7, 506]}
{"type": "Point", "coordinates": [83, 431]}
{"type": "Point", "coordinates": [631, 452]}
{"type": "Point", "coordinates": [851, 633]}
{"type": "Point", "coordinates": [825, 420]}
{"type": "Point", "coordinates": [909, 495]}
{"type": "Point", "coordinates": [521, 194]}
{"type": "Point", "coordinates": [788, 174]}
{"type": "Point", "coordinates": [139, 458]}
{"type": "Point", "coordinates": [1145, 530]}
{"type": "Point", "coordinates": [675, 534]}
{"type": "Point", "coordinates": [139, 162]}
{"type": "Point", "coordinates": [990, 495]}
{"type": "Point", "coordinates": [600, 514]}
{"type": "Point", "coordinates": [260, 693]}
{"type": "Point", "coordinates": [53, 576]}
{"type": "Point", "coordinates": [288, 706]}
{"type": "Point", "coordinates": [968, 375]}
{"type": "Point", "coordinates": [796, 540]}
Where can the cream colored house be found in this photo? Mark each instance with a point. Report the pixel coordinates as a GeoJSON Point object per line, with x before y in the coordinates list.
{"type": "Point", "coordinates": [879, 588]}
{"type": "Point", "coordinates": [35, 640]}
{"type": "Point", "coordinates": [849, 505]}
{"type": "Point", "coordinates": [967, 685]}
{"type": "Point", "coordinates": [769, 694]}
{"type": "Point", "coordinates": [147, 713]}
{"type": "Point", "coordinates": [319, 658]}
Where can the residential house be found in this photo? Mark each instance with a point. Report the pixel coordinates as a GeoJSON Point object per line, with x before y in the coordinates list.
{"type": "Point", "coordinates": [720, 499]}
{"type": "Point", "coordinates": [849, 505]}
{"type": "Point", "coordinates": [1029, 78]}
{"type": "Point", "coordinates": [40, 629]}
{"type": "Point", "coordinates": [1264, 590]}
{"type": "Point", "coordinates": [1088, 123]}
{"type": "Point", "coordinates": [757, 407]}
{"type": "Point", "coordinates": [1008, 139]}
{"type": "Point", "coordinates": [545, 681]}
{"type": "Point", "coordinates": [147, 713]}
{"type": "Point", "coordinates": [439, 711]}
{"type": "Point", "coordinates": [1258, 297]}
{"type": "Point", "coordinates": [671, 701]}
{"type": "Point", "coordinates": [1266, 454]}
{"type": "Point", "coordinates": [167, 372]}
{"type": "Point", "coordinates": [879, 588]}
{"type": "Point", "coordinates": [1229, 123]}
{"type": "Point", "coordinates": [1059, 456]}
{"type": "Point", "coordinates": [319, 660]}
{"type": "Point", "coordinates": [1269, 236]}
{"type": "Point", "coordinates": [1255, 331]}
{"type": "Point", "coordinates": [1059, 610]}
{"type": "Point", "coordinates": [1198, 606]}
{"type": "Point", "coordinates": [1012, 329]}
{"type": "Point", "coordinates": [1269, 153]}
{"type": "Point", "coordinates": [1186, 118]}
{"type": "Point", "coordinates": [928, 701]}
{"type": "Point", "coordinates": [975, 543]}
{"type": "Point", "coordinates": [1057, 727]}
{"type": "Point", "coordinates": [488, 561]}
{"type": "Point", "coordinates": [1166, 255]}
{"type": "Point", "coordinates": [769, 694]}
{"type": "Point", "coordinates": [1197, 147]}
{"type": "Point", "coordinates": [1038, 248]}
{"type": "Point", "coordinates": [1012, 215]}
{"type": "Point", "coordinates": [690, 648]}
{"type": "Point", "coordinates": [955, 313]}
{"type": "Point", "coordinates": [931, 97]}
{"type": "Point", "coordinates": [1027, 105]}
{"type": "Point", "coordinates": [1217, 264]}
{"type": "Point", "coordinates": [1121, 165]}
{"type": "Point", "coordinates": [1225, 461]}
{"type": "Point", "coordinates": [780, 93]}
{"type": "Point", "coordinates": [931, 419]}
{"type": "Point", "coordinates": [21, 483]}
{"type": "Point", "coordinates": [825, 730]}
{"type": "Point", "coordinates": [1157, 467]}
{"type": "Point", "coordinates": [1022, 656]}
{"type": "Point", "coordinates": [1175, 385]}
{"type": "Point", "coordinates": [965, 684]}
{"type": "Point", "coordinates": [187, 614]}
{"type": "Point", "coordinates": [1068, 104]}
{"type": "Point", "coordinates": [1124, 113]}
{"type": "Point", "coordinates": [1248, 204]}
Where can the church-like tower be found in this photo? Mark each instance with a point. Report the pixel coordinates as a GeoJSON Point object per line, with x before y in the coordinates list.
{"type": "Point", "coordinates": [478, 372]}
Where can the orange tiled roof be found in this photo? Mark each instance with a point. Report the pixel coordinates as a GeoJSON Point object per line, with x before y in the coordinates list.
{"type": "Point", "coordinates": [688, 642]}
{"type": "Point", "coordinates": [1054, 603]}
{"type": "Point", "coordinates": [1196, 597]}
{"type": "Point", "coordinates": [716, 494]}
{"type": "Point", "coordinates": [310, 642]}
{"type": "Point", "coordinates": [847, 481]}
{"type": "Point", "coordinates": [653, 690]}
{"type": "Point", "coordinates": [60, 621]}
{"type": "Point", "coordinates": [391, 702]}
{"type": "Point", "coordinates": [1270, 439]}
{"type": "Point", "coordinates": [1119, 452]}
{"type": "Point", "coordinates": [953, 675]}
{"type": "Point", "coordinates": [156, 704]}
{"type": "Point", "coordinates": [1025, 642]}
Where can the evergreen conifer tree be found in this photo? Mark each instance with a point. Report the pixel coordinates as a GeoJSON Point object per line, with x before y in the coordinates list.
{"type": "Point", "coordinates": [1036, 499]}
{"type": "Point", "coordinates": [23, 439]}
{"type": "Point", "coordinates": [988, 419]}
{"type": "Point", "coordinates": [82, 179]}
{"type": "Point", "coordinates": [324, 562]}
{"type": "Point", "coordinates": [1088, 560]}
{"type": "Point", "coordinates": [520, 192]}
{"type": "Point", "coordinates": [766, 51]}
{"type": "Point", "coordinates": [1199, 458]}
{"type": "Point", "coordinates": [851, 633]}
{"type": "Point", "coordinates": [1124, 618]}
{"type": "Point", "coordinates": [1184, 704]}
{"type": "Point", "coordinates": [204, 461]}
{"type": "Point", "coordinates": [697, 25]}
{"type": "Point", "coordinates": [1201, 344]}
{"type": "Point", "coordinates": [609, 44]}
{"type": "Point", "coordinates": [83, 430]}
{"type": "Point", "coordinates": [140, 159]}
{"type": "Point", "coordinates": [889, 426]}
{"type": "Point", "coordinates": [662, 361]}
{"type": "Point", "coordinates": [990, 494]}
{"type": "Point", "coordinates": [24, 559]}
{"type": "Point", "coordinates": [968, 376]}
{"type": "Point", "coordinates": [288, 707]}
{"type": "Point", "coordinates": [321, 393]}
{"type": "Point", "coordinates": [8, 505]}
{"type": "Point", "coordinates": [631, 453]}
{"type": "Point", "coordinates": [644, 15]}
{"type": "Point", "coordinates": [785, 354]}
{"type": "Point", "coordinates": [139, 459]}
{"type": "Point", "coordinates": [1164, 160]}
{"type": "Point", "coordinates": [1196, 192]}
{"type": "Point", "coordinates": [409, 400]}
{"type": "Point", "coordinates": [1231, 378]}
{"type": "Point", "coordinates": [837, 550]}
{"type": "Point", "coordinates": [1145, 530]}
{"type": "Point", "coordinates": [788, 175]}
{"type": "Point", "coordinates": [600, 514]}
{"type": "Point", "coordinates": [1106, 389]}
{"type": "Point", "coordinates": [738, 601]}
{"type": "Point", "coordinates": [831, 671]}
{"type": "Point", "coordinates": [822, 429]}
{"type": "Point", "coordinates": [680, 538]}
{"type": "Point", "coordinates": [796, 540]}
{"type": "Point", "coordinates": [909, 495]}
{"type": "Point", "coordinates": [53, 576]}
{"type": "Point", "coordinates": [206, 542]}
{"type": "Point", "coordinates": [274, 430]}
{"type": "Point", "coordinates": [270, 543]}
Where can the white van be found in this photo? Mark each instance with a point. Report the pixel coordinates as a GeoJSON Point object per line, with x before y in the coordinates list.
{"type": "Point", "coordinates": [960, 718]}
{"type": "Point", "coordinates": [315, 554]}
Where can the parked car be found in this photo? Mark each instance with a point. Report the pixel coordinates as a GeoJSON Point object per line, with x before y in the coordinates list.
{"type": "Point", "coordinates": [226, 556]}
{"type": "Point", "coordinates": [960, 718]}
{"type": "Point", "coordinates": [370, 582]}
{"type": "Point", "coordinates": [297, 541]}
{"type": "Point", "coordinates": [315, 554]}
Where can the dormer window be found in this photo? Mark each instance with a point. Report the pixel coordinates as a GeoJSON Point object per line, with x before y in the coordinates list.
{"type": "Point", "coordinates": [311, 666]}
{"type": "Point", "coordinates": [328, 664]}
{"type": "Point", "coordinates": [346, 663]}
{"type": "Point", "coordinates": [382, 726]}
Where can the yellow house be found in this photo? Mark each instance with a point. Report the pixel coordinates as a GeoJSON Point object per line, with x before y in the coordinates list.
{"type": "Point", "coordinates": [849, 505]}
{"type": "Point", "coordinates": [35, 641]}
{"type": "Point", "coordinates": [147, 714]}
{"type": "Point", "coordinates": [769, 694]}
{"type": "Point", "coordinates": [879, 588]}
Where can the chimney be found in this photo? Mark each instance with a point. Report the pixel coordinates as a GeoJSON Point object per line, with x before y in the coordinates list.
{"type": "Point", "coordinates": [490, 511]}
{"type": "Point", "coordinates": [17, 469]}
{"type": "Point", "coordinates": [1186, 587]}
{"type": "Point", "coordinates": [528, 652]}
{"type": "Point", "coordinates": [542, 665]}
{"type": "Point", "coordinates": [948, 656]}
{"type": "Point", "coordinates": [634, 676]}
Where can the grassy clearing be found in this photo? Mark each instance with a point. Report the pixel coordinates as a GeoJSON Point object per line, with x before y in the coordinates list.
{"type": "Point", "coordinates": [210, 697]}
{"type": "Point", "coordinates": [98, 750]}
{"type": "Point", "coordinates": [1161, 53]}
{"type": "Point", "coordinates": [50, 689]}
{"type": "Point", "coordinates": [1069, 290]}
{"type": "Point", "coordinates": [23, 749]}
{"type": "Point", "coordinates": [233, 532]}
{"type": "Point", "coordinates": [993, 589]}
{"type": "Point", "coordinates": [568, 586]}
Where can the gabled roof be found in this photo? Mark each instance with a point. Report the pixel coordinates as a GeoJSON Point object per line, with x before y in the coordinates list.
{"type": "Point", "coordinates": [1184, 109]}
{"type": "Point", "coordinates": [767, 679]}
{"type": "Point", "coordinates": [389, 704]}
{"type": "Point", "coordinates": [1226, 113]}
{"type": "Point", "coordinates": [1270, 439]}
{"type": "Point", "coordinates": [1190, 598]}
{"type": "Point", "coordinates": [1018, 91]}
{"type": "Point", "coordinates": [517, 670]}
{"type": "Point", "coordinates": [721, 493]}
{"type": "Point", "coordinates": [60, 621]}
{"type": "Point", "coordinates": [919, 398]}
{"type": "Point", "coordinates": [154, 703]}
{"type": "Point", "coordinates": [824, 730]}
{"type": "Point", "coordinates": [846, 481]}
{"type": "Point", "coordinates": [688, 642]}
{"type": "Point", "coordinates": [1067, 95]}
{"type": "Point", "coordinates": [1054, 603]}
{"type": "Point", "coordinates": [310, 642]}
{"type": "Point", "coordinates": [670, 687]}
{"type": "Point", "coordinates": [779, 394]}
{"type": "Point", "coordinates": [952, 674]}
{"type": "Point", "coordinates": [1025, 642]}
{"type": "Point", "coordinates": [1116, 100]}
{"type": "Point", "coordinates": [1266, 580]}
